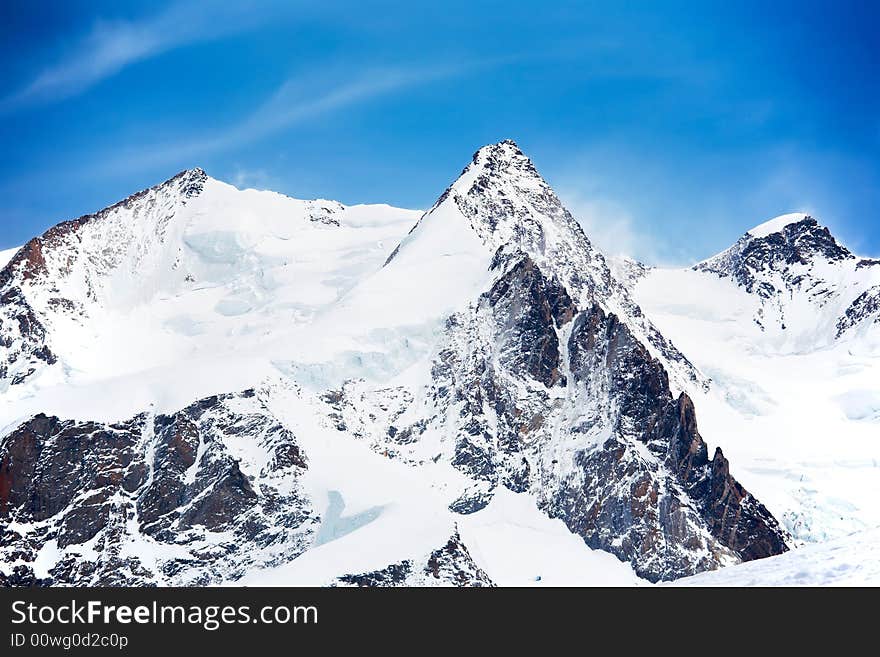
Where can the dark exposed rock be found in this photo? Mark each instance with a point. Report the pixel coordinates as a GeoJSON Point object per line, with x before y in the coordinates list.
{"type": "Point", "coordinates": [453, 564]}
{"type": "Point", "coordinates": [394, 575]}
{"type": "Point", "coordinates": [534, 305]}
{"type": "Point", "coordinates": [647, 491]}
{"type": "Point", "coordinates": [169, 479]}
{"type": "Point", "coordinates": [649, 507]}
{"type": "Point", "coordinates": [450, 565]}
{"type": "Point", "coordinates": [21, 577]}
{"type": "Point", "coordinates": [791, 264]}
{"type": "Point", "coordinates": [471, 501]}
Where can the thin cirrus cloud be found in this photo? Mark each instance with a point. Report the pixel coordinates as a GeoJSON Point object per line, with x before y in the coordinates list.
{"type": "Point", "coordinates": [111, 46]}
{"type": "Point", "coordinates": [296, 101]}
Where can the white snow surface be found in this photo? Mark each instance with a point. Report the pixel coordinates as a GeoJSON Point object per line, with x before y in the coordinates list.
{"type": "Point", "coordinates": [776, 224]}
{"type": "Point", "coordinates": [210, 295]}
{"type": "Point", "coordinates": [517, 545]}
{"type": "Point", "coordinates": [6, 256]}
{"type": "Point", "coordinates": [852, 560]}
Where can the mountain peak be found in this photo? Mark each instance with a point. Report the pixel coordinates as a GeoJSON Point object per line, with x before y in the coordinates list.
{"type": "Point", "coordinates": [506, 200]}
{"type": "Point", "coordinates": [501, 206]}
{"type": "Point", "coordinates": [783, 260]}
{"type": "Point", "coordinates": [789, 239]}
{"type": "Point", "coordinates": [501, 157]}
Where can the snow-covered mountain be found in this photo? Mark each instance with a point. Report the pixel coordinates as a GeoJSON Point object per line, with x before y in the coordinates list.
{"type": "Point", "coordinates": [207, 385]}
{"type": "Point", "coordinates": [782, 324]}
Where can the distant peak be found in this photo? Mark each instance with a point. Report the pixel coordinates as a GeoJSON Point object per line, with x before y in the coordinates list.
{"type": "Point", "coordinates": [799, 231]}
{"type": "Point", "coordinates": [789, 239]}
{"type": "Point", "coordinates": [778, 224]}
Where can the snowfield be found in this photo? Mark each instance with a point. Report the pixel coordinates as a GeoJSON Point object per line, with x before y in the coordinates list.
{"type": "Point", "coordinates": [852, 560]}
{"type": "Point", "coordinates": [546, 553]}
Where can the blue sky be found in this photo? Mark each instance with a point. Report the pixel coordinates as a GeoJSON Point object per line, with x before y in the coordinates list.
{"type": "Point", "coordinates": [669, 128]}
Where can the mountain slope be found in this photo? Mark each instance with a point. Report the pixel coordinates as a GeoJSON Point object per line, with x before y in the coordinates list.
{"type": "Point", "coordinates": [195, 270]}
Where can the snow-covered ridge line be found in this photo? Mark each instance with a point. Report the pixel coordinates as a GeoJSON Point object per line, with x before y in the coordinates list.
{"type": "Point", "coordinates": [777, 224]}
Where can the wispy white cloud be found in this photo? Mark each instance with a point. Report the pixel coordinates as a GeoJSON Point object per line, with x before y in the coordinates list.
{"type": "Point", "coordinates": [245, 178]}
{"type": "Point", "coordinates": [296, 101]}
{"type": "Point", "coordinates": [608, 224]}
{"type": "Point", "coordinates": [111, 46]}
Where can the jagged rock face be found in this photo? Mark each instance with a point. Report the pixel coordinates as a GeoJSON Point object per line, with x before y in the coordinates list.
{"type": "Point", "coordinates": [450, 565]}
{"type": "Point", "coordinates": [535, 305]}
{"type": "Point", "coordinates": [169, 499]}
{"type": "Point", "coordinates": [569, 405]}
{"type": "Point", "coordinates": [324, 212]}
{"type": "Point", "coordinates": [61, 273]}
{"type": "Point", "coordinates": [800, 263]}
{"type": "Point", "coordinates": [22, 337]}
{"type": "Point", "coordinates": [628, 502]}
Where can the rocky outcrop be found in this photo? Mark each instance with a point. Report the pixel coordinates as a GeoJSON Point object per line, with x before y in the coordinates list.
{"type": "Point", "coordinates": [450, 565]}
{"type": "Point", "coordinates": [534, 304]}
{"type": "Point", "coordinates": [23, 337]}
{"type": "Point", "coordinates": [752, 258]}
{"type": "Point", "coordinates": [865, 309]}
{"type": "Point", "coordinates": [194, 497]}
